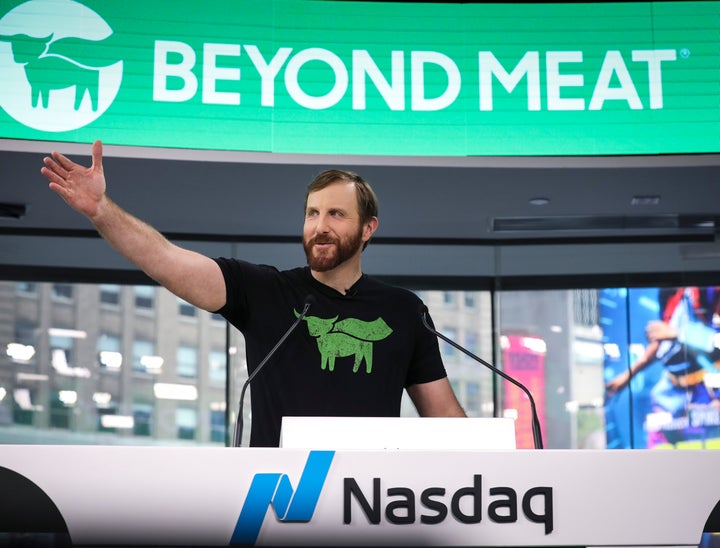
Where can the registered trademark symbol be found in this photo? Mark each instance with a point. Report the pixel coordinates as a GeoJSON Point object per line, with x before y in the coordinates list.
{"type": "Point", "coordinates": [684, 53]}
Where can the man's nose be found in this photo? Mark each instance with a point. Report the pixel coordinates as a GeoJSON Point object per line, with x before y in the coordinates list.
{"type": "Point", "coordinates": [322, 224]}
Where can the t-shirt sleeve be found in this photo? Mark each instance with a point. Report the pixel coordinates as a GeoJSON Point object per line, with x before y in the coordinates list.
{"type": "Point", "coordinates": [241, 280]}
{"type": "Point", "coordinates": [427, 364]}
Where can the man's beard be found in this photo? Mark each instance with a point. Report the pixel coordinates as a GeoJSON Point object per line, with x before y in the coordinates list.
{"type": "Point", "coordinates": [334, 256]}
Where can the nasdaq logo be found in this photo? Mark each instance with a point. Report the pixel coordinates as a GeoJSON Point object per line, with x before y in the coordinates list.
{"type": "Point", "coordinates": [275, 490]}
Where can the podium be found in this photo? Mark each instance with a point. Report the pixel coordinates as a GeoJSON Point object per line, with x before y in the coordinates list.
{"type": "Point", "coordinates": [203, 496]}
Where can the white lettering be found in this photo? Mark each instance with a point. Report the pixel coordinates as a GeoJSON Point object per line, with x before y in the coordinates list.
{"type": "Point", "coordinates": [418, 60]}
{"type": "Point", "coordinates": [528, 66]}
{"type": "Point", "coordinates": [393, 93]}
{"type": "Point", "coordinates": [613, 64]}
{"type": "Point", "coordinates": [654, 58]}
{"type": "Point", "coordinates": [212, 73]}
{"type": "Point", "coordinates": [163, 70]}
{"type": "Point", "coordinates": [556, 81]}
{"type": "Point", "coordinates": [332, 97]}
{"type": "Point", "coordinates": [268, 72]}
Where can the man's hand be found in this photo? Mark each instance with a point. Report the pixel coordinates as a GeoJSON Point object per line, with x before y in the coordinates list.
{"type": "Point", "coordinates": [81, 187]}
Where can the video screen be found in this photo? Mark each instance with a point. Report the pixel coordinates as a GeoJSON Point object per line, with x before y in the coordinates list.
{"type": "Point", "coordinates": [662, 367]}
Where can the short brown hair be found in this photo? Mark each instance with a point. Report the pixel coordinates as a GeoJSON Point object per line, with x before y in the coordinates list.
{"type": "Point", "coordinates": [367, 200]}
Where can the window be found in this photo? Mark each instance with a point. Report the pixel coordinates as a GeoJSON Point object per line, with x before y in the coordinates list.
{"type": "Point", "coordinates": [109, 352]}
{"type": "Point", "coordinates": [26, 288]}
{"type": "Point", "coordinates": [142, 419]}
{"type": "Point", "coordinates": [185, 309]}
{"type": "Point", "coordinates": [144, 358]}
{"type": "Point", "coordinates": [217, 367]}
{"type": "Point", "coordinates": [144, 297]}
{"type": "Point", "coordinates": [62, 292]}
{"type": "Point", "coordinates": [110, 294]}
{"type": "Point", "coordinates": [62, 351]}
{"type": "Point", "coordinates": [186, 421]}
{"type": "Point", "coordinates": [187, 361]}
{"type": "Point", "coordinates": [62, 404]}
{"type": "Point", "coordinates": [24, 348]}
{"type": "Point", "coordinates": [446, 348]}
{"type": "Point", "coordinates": [217, 425]}
{"type": "Point", "coordinates": [472, 398]}
{"type": "Point", "coordinates": [471, 342]}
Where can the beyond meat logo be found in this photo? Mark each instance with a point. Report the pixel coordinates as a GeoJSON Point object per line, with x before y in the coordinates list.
{"type": "Point", "coordinates": [56, 74]}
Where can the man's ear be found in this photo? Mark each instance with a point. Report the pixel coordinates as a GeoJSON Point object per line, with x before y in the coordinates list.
{"type": "Point", "coordinates": [370, 228]}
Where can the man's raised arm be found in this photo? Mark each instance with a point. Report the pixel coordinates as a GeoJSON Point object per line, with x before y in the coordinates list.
{"type": "Point", "coordinates": [189, 275]}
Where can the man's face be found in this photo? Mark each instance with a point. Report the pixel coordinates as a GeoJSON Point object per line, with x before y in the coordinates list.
{"type": "Point", "coordinates": [332, 233]}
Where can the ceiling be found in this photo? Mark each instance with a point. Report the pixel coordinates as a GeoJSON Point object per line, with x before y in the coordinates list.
{"type": "Point", "coordinates": [462, 218]}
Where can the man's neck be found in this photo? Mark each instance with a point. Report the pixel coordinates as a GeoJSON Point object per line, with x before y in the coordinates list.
{"type": "Point", "coordinates": [341, 278]}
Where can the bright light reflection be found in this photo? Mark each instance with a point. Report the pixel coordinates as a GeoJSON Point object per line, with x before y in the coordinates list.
{"type": "Point", "coordinates": [170, 391]}
{"type": "Point", "coordinates": [110, 359]}
{"type": "Point", "coordinates": [68, 397]}
{"type": "Point", "coordinates": [70, 333]}
{"type": "Point", "coordinates": [102, 399]}
{"type": "Point", "coordinates": [152, 363]}
{"type": "Point", "coordinates": [20, 352]}
{"type": "Point", "coordinates": [117, 421]}
{"type": "Point", "coordinates": [535, 344]}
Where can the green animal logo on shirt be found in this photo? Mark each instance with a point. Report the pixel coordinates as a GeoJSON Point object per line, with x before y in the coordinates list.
{"type": "Point", "coordinates": [348, 337]}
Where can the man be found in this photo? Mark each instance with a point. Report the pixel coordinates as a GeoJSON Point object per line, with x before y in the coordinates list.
{"type": "Point", "coordinates": [363, 342]}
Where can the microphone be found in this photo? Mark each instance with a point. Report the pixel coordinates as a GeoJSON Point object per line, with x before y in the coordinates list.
{"type": "Point", "coordinates": [237, 440]}
{"type": "Point", "coordinates": [537, 434]}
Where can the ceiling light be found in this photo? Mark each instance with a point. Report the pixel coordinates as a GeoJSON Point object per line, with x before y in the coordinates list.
{"type": "Point", "coordinates": [645, 200]}
{"type": "Point", "coordinates": [539, 201]}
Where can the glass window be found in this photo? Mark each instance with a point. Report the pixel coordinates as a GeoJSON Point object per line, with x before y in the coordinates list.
{"type": "Point", "coordinates": [471, 342]}
{"type": "Point", "coordinates": [62, 292]}
{"type": "Point", "coordinates": [62, 351]}
{"type": "Point", "coordinates": [23, 348]}
{"type": "Point", "coordinates": [185, 309]}
{"type": "Point", "coordinates": [186, 421]}
{"type": "Point", "coordinates": [62, 404]}
{"type": "Point", "coordinates": [109, 352]}
{"type": "Point", "coordinates": [144, 297]}
{"type": "Point", "coordinates": [472, 398]}
{"type": "Point", "coordinates": [110, 294]}
{"type": "Point", "coordinates": [26, 288]}
{"type": "Point", "coordinates": [187, 361]}
{"type": "Point", "coordinates": [144, 358]}
{"type": "Point", "coordinates": [217, 373]}
{"type": "Point", "coordinates": [571, 348]}
{"type": "Point", "coordinates": [142, 419]}
{"type": "Point", "coordinates": [445, 347]}
{"type": "Point", "coordinates": [217, 425]}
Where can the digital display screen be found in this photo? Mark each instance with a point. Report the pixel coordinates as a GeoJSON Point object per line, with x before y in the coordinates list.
{"type": "Point", "coordinates": [662, 367]}
{"type": "Point", "coordinates": [370, 78]}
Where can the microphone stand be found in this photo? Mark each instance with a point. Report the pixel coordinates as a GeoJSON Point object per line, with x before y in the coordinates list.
{"type": "Point", "coordinates": [237, 439]}
{"type": "Point", "coordinates": [537, 434]}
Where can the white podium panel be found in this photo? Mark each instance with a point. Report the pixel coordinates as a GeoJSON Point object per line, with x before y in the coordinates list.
{"type": "Point", "coordinates": [434, 433]}
{"type": "Point", "coordinates": [154, 496]}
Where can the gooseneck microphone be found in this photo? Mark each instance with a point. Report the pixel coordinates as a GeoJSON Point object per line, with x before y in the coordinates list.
{"type": "Point", "coordinates": [237, 440]}
{"type": "Point", "coordinates": [537, 434]}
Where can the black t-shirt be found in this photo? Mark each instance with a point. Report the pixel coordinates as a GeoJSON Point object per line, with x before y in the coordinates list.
{"type": "Point", "coordinates": [352, 355]}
